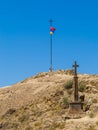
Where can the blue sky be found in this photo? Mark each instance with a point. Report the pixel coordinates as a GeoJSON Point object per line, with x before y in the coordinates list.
{"type": "Point", "coordinates": [25, 39]}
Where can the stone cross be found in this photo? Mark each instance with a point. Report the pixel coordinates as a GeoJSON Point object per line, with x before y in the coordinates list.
{"type": "Point", "coordinates": [75, 82]}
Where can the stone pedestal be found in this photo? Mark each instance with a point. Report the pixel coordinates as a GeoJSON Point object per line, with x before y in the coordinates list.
{"type": "Point", "coordinates": [76, 106]}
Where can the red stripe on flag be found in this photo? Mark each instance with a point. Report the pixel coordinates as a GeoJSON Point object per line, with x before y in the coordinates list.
{"type": "Point", "coordinates": [52, 29]}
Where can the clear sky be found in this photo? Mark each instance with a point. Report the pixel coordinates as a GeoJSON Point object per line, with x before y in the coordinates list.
{"type": "Point", "coordinates": [25, 39]}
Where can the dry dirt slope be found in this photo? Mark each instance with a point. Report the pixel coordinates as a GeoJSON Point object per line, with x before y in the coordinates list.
{"type": "Point", "coordinates": [41, 103]}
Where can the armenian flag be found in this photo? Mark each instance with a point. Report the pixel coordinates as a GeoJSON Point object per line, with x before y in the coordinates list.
{"type": "Point", "coordinates": [52, 30]}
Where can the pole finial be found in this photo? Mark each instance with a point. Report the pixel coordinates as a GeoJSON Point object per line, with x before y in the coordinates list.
{"type": "Point", "coordinates": [50, 22]}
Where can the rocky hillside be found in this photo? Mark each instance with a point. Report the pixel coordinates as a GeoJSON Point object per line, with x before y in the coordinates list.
{"type": "Point", "coordinates": [42, 102]}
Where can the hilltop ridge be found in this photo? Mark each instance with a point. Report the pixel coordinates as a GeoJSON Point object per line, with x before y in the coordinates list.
{"type": "Point", "coordinates": [41, 103]}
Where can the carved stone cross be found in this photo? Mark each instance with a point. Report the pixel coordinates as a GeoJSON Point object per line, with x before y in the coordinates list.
{"type": "Point", "coordinates": [75, 82]}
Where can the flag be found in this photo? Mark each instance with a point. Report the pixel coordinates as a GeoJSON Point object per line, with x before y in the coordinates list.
{"type": "Point", "coordinates": [52, 30]}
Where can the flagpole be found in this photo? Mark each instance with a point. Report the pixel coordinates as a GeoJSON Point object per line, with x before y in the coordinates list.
{"type": "Point", "coordinates": [51, 69]}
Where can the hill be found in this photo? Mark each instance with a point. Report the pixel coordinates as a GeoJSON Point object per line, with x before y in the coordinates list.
{"type": "Point", "coordinates": [42, 102]}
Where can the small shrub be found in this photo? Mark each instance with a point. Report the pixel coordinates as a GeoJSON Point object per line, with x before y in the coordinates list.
{"type": "Point", "coordinates": [40, 75]}
{"type": "Point", "coordinates": [91, 128]}
{"type": "Point", "coordinates": [62, 125]}
{"type": "Point", "coordinates": [69, 72]}
{"type": "Point", "coordinates": [57, 125]}
{"type": "Point", "coordinates": [91, 115]}
{"type": "Point", "coordinates": [10, 111]}
{"type": "Point", "coordinates": [92, 83]}
{"type": "Point", "coordinates": [68, 84]}
{"type": "Point", "coordinates": [81, 87]}
{"type": "Point", "coordinates": [38, 124]}
{"type": "Point", "coordinates": [7, 125]}
{"type": "Point", "coordinates": [28, 128]}
{"type": "Point", "coordinates": [66, 102]}
{"type": "Point", "coordinates": [23, 118]}
{"type": "Point", "coordinates": [94, 100]}
{"type": "Point", "coordinates": [14, 125]}
{"type": "Point", "coordinates": [97, 123]}
{"type": "Point", "coordinates": [69, 91]}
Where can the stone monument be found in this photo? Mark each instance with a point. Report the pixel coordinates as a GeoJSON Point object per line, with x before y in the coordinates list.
{"type": "Point", "coordinates": [76, 105]}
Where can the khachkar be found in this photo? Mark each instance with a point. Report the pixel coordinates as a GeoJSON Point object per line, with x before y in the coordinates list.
{"type": "Point", "coordinates": [76, 105]}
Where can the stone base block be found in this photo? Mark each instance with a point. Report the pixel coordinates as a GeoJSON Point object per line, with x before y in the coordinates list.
{"type": "Point", "coordinates": [76, 106]}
